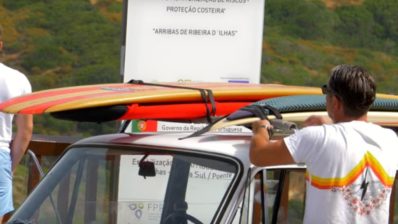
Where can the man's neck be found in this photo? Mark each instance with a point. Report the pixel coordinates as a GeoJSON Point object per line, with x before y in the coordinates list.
{"type": "Point", "coordinates": [349, 119]}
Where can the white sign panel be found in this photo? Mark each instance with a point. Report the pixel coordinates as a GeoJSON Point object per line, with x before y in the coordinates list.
{"type": "Point", "coordinates": [194, 40]}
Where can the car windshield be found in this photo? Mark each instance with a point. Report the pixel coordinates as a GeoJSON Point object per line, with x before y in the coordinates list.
{"type": "Point", "coordinates": [134, 185]}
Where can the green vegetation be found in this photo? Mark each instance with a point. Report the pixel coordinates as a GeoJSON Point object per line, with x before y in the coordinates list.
{"type": "Point", "coordinates": [64, 43]}
{"type": "Point", "coordinates": [304, 39]}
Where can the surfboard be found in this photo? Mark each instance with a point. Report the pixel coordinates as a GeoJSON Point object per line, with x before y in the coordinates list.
{"type": "Point", "coordinates": [296, 109]}
{"type": "Point", "coordinates": [138, 100]}
{"type": "Point", "coordinates": [172, 112]}
{"type": "Point", "coordinates": [383, 118]}
{"type": "Point", "coordinates": [71, 98]}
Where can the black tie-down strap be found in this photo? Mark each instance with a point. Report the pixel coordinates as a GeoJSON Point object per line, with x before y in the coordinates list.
{"type": "Point", "coordinates": [206, 95]}
{"type": "Point", "coordinates": [260, 111]}
{"type": "Point", "coordinates": [203, 130]}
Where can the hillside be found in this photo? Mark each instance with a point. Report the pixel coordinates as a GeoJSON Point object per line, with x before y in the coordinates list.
{"type": "Point", "coordinates": [305, 39]}
{"type": "Point", "coordinates": [63, 43]}
{"type": "Point", "coordinates": [60, 43]}
{"type": "Point", "coordinates": [332, 4]}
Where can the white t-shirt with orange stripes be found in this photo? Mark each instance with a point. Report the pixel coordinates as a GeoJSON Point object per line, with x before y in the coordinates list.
{"type": "Point", "coordinates": [12, 84]}
{"type": "Point", "coordinates": [350, 171]}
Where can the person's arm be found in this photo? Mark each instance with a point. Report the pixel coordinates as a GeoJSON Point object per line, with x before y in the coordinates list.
{"type": "Point", "coordinates": [24, 124]}
{"type": "Point", "coordinates": [264, 152]}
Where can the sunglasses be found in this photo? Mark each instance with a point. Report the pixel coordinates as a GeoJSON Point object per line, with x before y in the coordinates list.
{"type": "Point", "coordinates": [326, 90]}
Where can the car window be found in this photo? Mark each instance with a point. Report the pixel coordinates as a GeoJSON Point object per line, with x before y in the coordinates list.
{"type": "Point", "coordinates": [113, 185]}
{"type": "Point", "coordinates": [275, 195]}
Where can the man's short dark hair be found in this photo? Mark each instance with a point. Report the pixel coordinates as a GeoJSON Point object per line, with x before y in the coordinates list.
{"type": "Point", "coordinates": [355, 87]}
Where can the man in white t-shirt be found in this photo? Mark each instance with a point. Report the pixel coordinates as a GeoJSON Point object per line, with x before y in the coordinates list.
{"type": "Point", "coordinates": [351, 164]}
{"type": "Point", "coordinates": [12, 83]}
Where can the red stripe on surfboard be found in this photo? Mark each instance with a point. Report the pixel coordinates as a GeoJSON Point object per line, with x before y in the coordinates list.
{"type": "Point", "coordinates": [181, 111]}
{"type": "Point", "coordinates": [123, 87]}
{"type": "Point", "coordinates": [107, 88]}
{"type": "Point", "coordinates": [117, 87]}
{"type": "Point", "coordinates": [49, 93]}
{"type": "Point", "coordinates": [41, 108]}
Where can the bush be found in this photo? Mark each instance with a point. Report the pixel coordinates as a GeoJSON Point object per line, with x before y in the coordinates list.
{"type": "Point", "coordinates": [356, 27]}
{"type": "Point", "coordinates": [46, 55]}
{"type": "Point", "coordinates": [384, 13]}
{"type": "Point", "coordinates": [16, 4]}
{"type": "Point", "coordinates": [308, 19]}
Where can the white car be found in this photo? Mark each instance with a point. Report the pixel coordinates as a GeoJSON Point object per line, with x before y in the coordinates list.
{"type": "Point", "coordinates": [167, 178]}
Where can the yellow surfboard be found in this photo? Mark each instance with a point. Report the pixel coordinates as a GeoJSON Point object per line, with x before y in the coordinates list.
{"type": "Point", "coordinates": [89, 96]}
{"type": "Point", "coordinates": [174, 101]}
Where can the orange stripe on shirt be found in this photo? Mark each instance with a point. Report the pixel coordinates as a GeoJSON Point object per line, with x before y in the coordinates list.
{"type": "Point", "coordinates": [368, 160]}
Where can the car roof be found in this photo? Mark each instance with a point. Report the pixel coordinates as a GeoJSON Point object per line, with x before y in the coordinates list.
{"type": "Point", "coordinates": [236, 145]}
